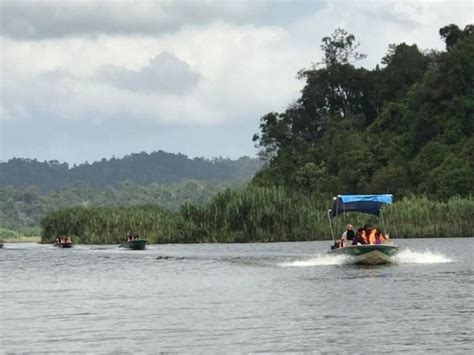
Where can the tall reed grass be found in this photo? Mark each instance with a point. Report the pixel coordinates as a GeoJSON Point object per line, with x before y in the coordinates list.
{"type": "Point", "coordinates": [257, 214]}
{"type": "Point", "coordinates": [109, 225]}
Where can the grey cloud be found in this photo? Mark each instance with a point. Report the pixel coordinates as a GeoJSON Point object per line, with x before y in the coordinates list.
{"type": "Point", "coordinates": [29, 19]}
{"type": "Point", "coordinates": [164, 74]}
{"type": "Point", "coordinates": [49, 138]}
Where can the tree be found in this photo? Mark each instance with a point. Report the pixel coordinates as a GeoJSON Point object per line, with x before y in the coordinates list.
{"type": "Point", "coordinates": [452, 34]}
{"type": "Point", "coordinates": [340, 48]}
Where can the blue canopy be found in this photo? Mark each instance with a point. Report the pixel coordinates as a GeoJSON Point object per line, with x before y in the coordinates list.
{"type": "Point", "coordinates": [359, 203]}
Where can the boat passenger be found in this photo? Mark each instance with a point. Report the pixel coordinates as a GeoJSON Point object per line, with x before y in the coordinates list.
{"type": "Point", "coordinates": [379, 237]}
{"type": "Point", "coordinates": [347, 236]}
{"type": "Point", "coordinates": [372, 232]}
{"type": "Point", "coordinates": [356, 240]}
{"type": "Point", "coordinates": [362, 236]}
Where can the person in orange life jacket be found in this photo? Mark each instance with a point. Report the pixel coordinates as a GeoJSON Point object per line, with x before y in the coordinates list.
{"type": "Point", "coordinates": [372, 232]}
{"type": "Point", "coordinates": [369, 234]}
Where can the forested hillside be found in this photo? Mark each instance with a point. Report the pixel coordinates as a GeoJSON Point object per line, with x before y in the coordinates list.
{"type": "Point", "coordinates": [142, 169]}
{"type": "Point", "coordinates": [30, 189]}
{"type": "Point", "coordinates": [405, 127]}
{"type": "Point", "coordinates": [22, 208]}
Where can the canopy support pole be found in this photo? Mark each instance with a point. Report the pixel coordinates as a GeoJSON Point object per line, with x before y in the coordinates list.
{"type": "Point", "coordinates": [383, 222]}
{"type": "Point", "coordinates": [330, 225]}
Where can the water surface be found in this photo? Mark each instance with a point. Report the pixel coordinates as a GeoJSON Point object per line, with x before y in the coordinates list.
{"type": "Point", "coordinates": [288, 297]}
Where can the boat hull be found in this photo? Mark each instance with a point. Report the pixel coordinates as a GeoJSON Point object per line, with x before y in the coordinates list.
{"type": "Point", "coordinates": [371, 254]}
{"type": "Point", "coordinates": [63, 245]}
{"type": "Point", "coordinates": [138, 244]}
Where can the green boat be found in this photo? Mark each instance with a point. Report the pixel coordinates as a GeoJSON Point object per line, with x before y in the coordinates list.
{"type": "Point", "coordinates": [367, 254]}
{"type": "Point", "coordinates": [135, 244]}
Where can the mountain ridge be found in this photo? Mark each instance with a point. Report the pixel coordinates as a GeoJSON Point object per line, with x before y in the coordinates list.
{"type": "Point", "coordinates": [141, 168]}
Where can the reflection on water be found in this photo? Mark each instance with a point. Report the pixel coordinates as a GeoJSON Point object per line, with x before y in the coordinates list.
{"type": "Point", "coordinates": [290, 297]}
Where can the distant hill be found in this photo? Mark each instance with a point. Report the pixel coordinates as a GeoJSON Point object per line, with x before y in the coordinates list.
{"type": "Point", "coordinates": [141, 168]}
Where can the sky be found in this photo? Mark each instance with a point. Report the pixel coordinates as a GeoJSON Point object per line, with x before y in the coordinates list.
{"type": "Point", "coordinates": [84, 80]}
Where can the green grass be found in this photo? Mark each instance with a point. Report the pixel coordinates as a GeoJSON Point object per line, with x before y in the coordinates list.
{"type": "Point", "coordinates": [24, 235]}
{"type": "Point", "coordinates": [23, 239]}
{"type": "Point", "coordinates": [255, 215]}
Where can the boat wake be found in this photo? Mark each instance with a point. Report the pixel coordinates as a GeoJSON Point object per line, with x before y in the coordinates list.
{"type": "Point", "coordinates": [319, 260]}
{"type": "Point", "coordinates": [407, 256]}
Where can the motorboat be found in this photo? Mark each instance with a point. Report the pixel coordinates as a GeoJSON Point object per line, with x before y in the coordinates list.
{"type": "Point", "coordinates": [367, 253]}
{"type": "Point", "coordinates": [134, 244]}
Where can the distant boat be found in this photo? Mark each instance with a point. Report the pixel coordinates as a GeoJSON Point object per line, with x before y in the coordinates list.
{"type": "Point", "coordinates": [63, 242]}
{"type": "Point", "coordinates": [134, 244]}
{"type": "Point", "coordinates": [367, 254]}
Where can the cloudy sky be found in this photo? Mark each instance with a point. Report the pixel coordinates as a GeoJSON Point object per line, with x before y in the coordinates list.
{"type": "Point", "coordinates": [82, 80]}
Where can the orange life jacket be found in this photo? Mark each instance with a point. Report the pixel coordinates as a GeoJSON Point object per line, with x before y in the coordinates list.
{"type": "Point", "coordinates": [372, 236]}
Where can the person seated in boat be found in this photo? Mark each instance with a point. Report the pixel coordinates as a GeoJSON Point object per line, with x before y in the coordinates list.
{"type": "Point", "coordinates": [355, 240]}
{"type": "Point", "coordinates": [348, 236]}
{"type": "Point", "coordinates": [67, 239]}
{"type": "Point", "coordinates": [379, 237]}
{"type": "Point", "coordinates": [371, 235]}
{"type": "Point", "coordinates": [361, 237]}
{"type": "Point", "coordinates": [129, 237]}
{"type": "Point", "coordinates": [58, 240]}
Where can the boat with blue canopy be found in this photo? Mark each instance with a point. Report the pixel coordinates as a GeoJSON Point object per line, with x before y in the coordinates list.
{"type": "Point", "coordinates": [372, 246]}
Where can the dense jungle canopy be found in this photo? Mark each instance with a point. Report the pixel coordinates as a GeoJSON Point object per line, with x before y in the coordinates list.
{"type": "Point", "coordinates": [404, 127]}
{"type": "Point", "coordinates": [139, 168]}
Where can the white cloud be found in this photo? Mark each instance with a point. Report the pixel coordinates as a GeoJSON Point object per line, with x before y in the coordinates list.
{"type": "Point", "coordinates": [238, 67]}
{"type": "Point", "coordinates": [184, 64]}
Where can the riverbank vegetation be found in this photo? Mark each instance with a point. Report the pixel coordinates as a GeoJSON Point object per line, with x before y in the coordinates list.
{"type": "Point", "coordinates": [255, 215]}
{"type": "Point", "coordinates": [21, 209]}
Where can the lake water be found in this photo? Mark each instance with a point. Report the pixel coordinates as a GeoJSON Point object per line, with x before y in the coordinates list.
{"type": "Point", "coordinates": [281, 297]}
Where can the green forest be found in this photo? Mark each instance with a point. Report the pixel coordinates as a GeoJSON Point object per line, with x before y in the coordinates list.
{"type": "Point", "coordinates": [404, 127]}
{"type": "Point", "coordinates": [140, 168]}
{"type": "Point", "coordinates": [21, 209]}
